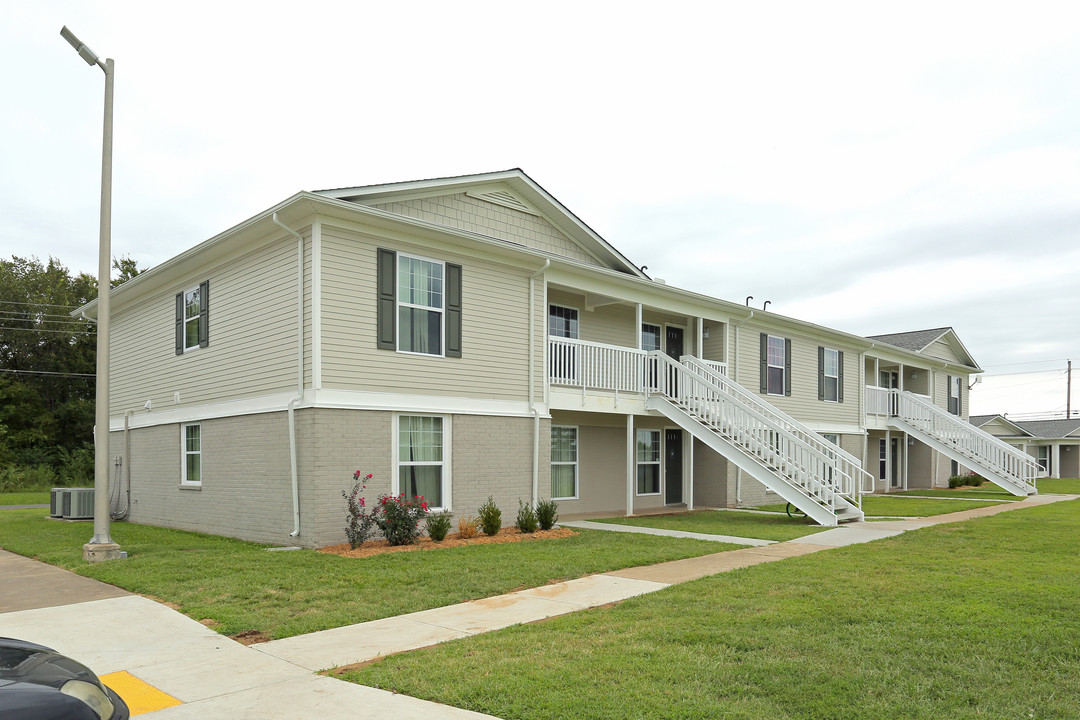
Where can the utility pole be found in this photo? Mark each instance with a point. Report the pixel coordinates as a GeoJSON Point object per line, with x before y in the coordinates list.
{"type": "Point", "coordinates": [1068, 391]}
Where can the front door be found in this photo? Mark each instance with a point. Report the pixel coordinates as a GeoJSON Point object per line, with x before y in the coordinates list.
{"type": "Point", "coordinates": [673, 466]}
{"type": "Point", "coordinates": [674, 337]}
{"type": "Point", "coordinates": [894, 463]}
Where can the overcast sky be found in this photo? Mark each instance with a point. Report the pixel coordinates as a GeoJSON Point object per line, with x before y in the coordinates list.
{"type": "Point", "coordinates": [871, 167]}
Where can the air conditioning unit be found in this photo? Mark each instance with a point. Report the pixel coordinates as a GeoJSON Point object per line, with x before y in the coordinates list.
{"type": "Point", "coordinates": [56, 501]}
{"type": "Point", "coordinates": [81, 505]}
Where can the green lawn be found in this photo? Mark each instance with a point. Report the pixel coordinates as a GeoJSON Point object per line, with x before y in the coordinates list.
{"type": "Point", "coordinates": [899, 506]}
{"type": "Point", "coordinates": [961, 621]}
{"type": "Point", "coordinates": [1069, 486]}
{"type": "Point", "coordinates": [25, 498]}
{"type": "Point", "coordinates": [987, 492]}
{"type": "Point", "coordinates": [243, 587]}
{"type": "Point", "coordinates": [712, 522]}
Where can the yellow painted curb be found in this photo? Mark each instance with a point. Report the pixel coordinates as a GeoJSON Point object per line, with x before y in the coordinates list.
{"type": "Point", "coordinates": [141, 697]}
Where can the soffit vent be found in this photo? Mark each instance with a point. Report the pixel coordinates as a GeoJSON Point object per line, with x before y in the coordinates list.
{"type": "Point", "coordinates": [504, 198]}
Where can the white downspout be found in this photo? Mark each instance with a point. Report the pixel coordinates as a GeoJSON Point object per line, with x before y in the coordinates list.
{"type": "Point", "coordinates": [532, 382]}
{"type": "Point", "coordinates": [299, 371]}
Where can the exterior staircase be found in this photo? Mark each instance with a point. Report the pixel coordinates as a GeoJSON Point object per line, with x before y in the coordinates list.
{"type": "Point", "coordinates": [800, 466]}
{"type": "Point", "coordinates": [959, 440]}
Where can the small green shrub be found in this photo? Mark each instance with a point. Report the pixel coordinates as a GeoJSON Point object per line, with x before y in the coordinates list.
{"type": "Point", "coordinates": [490, 517]}
{"type": "Point", "coordinates": [526, 518]}
{"type": "Point", "coordinates": [972, 480]}
{"type": "Point", "coordinates": [438, 525]}
{"type": "Point", "coordinates": [547, 514]}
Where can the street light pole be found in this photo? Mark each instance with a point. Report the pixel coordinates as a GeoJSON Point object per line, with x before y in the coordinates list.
{"type": "Point", "coordinates": [101, 547]}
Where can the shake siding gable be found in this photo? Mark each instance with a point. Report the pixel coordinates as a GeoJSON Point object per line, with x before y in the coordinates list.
{"type": "Point", "coordinates": [472, 214]}
{"type": "Point", "coordinates": [494, 332]}
{"type": "Point", "coordinates": [253, 347]}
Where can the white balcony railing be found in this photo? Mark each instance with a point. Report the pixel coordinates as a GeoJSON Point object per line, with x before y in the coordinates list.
{"type": "Point", "coordinates": [596, 366]}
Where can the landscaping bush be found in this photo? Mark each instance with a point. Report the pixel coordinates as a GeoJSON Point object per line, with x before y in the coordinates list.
{"type": "Point", "coordinates": [398, 518]}
{"type": "Point", "coordinates": [490, 517]}
{"type": "Point", "coordinates": [966, 480]}
{"type": "Point", "coordinates": [467, 527]}
{"type": "Point", "coordinates": [360, 524]}
{"type": "Point", "coordinates": [526, 518]}
{"type": "Point", "coordinates": [438, 525]}
{"type": "Point", "coordinates": [547, 514]}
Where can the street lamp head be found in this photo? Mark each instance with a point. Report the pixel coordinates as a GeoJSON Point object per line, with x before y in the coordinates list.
{"type": "Point", "coordinates": [84, 52]}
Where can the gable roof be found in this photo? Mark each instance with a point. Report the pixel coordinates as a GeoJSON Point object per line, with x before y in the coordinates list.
{"type": "Point", "coordinates": [1050, 428]}
{"type": "Point", "coordinates": [919, 340]}
{"type": "Point", "coordinates": [983, 420]}
{"type": "Point", "coordinates": [527, 191]}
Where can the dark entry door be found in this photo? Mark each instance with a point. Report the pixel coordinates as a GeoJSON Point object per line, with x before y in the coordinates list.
{"type": "Point", "coordinates": [674, 342]}
{"type": "Point", "coordinates": [894, 463]}
{"type": "Point", "coordinates": [673, 466]}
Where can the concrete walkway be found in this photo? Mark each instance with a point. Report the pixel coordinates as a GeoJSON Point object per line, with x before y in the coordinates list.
{"type": "Point", "coordinates": [614, 527]}
{"type": "Point", "coordinates": [197, 673]}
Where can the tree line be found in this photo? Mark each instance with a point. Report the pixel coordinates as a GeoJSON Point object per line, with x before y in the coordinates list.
{"type": "Point", "coordinates": [47, 372]}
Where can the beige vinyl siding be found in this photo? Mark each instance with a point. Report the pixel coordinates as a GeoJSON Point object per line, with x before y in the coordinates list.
{"type": "Point", "coordinates": [941, 348]}
{"type": "Point", "coordinates": [803, 404]}
{"type": "Point", "coordinates": [941, 391]}
{"type": "Point", "coordinates": [713, 346]}
{"type": "Point", "coordinates": [464, 212]}
{"type": "Point", "coordinates": [495, 341]}
{"type": "Point", "coordinates": [252, 350]}
{"type": "Point", "coordinates": [998, 429]}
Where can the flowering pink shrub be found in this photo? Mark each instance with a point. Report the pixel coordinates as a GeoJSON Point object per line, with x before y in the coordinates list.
{"type": "Point", "coordinates": [398, 517]}
{"type": "Point", "coordinates": [360, 523]}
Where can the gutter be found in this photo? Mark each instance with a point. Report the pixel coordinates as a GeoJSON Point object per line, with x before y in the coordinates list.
{"type": "Point", "coordinates": [299, 372]}
{"type": "Point", "coordinates": [532, 382]}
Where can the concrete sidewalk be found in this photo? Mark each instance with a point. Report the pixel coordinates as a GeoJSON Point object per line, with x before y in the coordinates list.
{"type": "Point", "coordinates": [210, 676]}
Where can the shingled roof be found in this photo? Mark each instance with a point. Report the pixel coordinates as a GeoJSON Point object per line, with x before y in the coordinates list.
{"type": "Point", "coordinates": [914, 341]}
{"type": "Point", "coordinates": [1049, 428]}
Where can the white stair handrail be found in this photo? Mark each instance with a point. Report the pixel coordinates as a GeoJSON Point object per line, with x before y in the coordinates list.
{"type": "Point", "coordinates": [971, 442]}
{"type": "Point", "coordinates": [867, 480]}
{"type": "Point", "coordinates": [812, 471]}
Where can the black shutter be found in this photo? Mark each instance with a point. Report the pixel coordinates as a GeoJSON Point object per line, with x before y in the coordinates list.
{"type": "Point", "coordinates": [840, 376]}
{"type": "Point", "coordinates": [453, 310]}
{"type": "Point", "coordinates": [204, 313]}
{"type": "Point", "coordinates": [787, 366]}
{"type": "Point", "coordinates": [764, 363]}
{"type": "Point", "coordinates": [387, 322]}
{"type": "Point", "coordinates": [820, 373]}
{"type": "Point", "coordinates": [180, 324]}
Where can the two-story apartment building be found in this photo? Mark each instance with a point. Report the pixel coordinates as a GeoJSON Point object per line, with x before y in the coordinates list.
{"type": "Point", "coordinates": [470, 336]}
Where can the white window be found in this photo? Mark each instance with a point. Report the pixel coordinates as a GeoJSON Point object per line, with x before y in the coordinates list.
{"type": "Point", "coordinates": [193, 318]}
{"type": "Point", "coordinates": [831, 375]}
{"type": "Point", "coordinates": [650, 337]}
{"type": "Point", "coordinates": [831, 437]}
{"type": "Point", "coordinates": [192, 309]}
{"type": "Point", "coordinates": [191, 454]}
{"type": "Point", "coordinates": [955, 385]}
{"type": "Point", "coordinates": [563, 357]}
{"type": "Point", "coordinates": [420, 305]}
{"type": "Point", "coordinates": [563, 322]}
{"type": "Point", "coordinates": [564, 463]}
{"type": "Point", "coordinates": [423, 459]}
{"type": "Point", "coordinates": [648, 462]}
{"type": "Point", "coordinates": [777, 361]}
{"type": "Point", "coordinates": [1045, 458]}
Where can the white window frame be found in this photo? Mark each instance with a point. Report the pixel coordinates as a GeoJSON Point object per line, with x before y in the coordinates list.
{"type": "Point", "coordinates": [189, 320]}
{"type": "Point", "coordinates": [836, 376]}
{"type": "Point", "coordinates": [577, 317]}
{"type": "Point", "coordinates": [185, 454]}
{"type": "Point", "coordinates": [1045, 458]}
{"type": "Point", "coordinates": [398, 304]}
{"type": "Point", "coordinates": [659, 336]}
{"type": "Point", "coordinates": [955, 384]}
{"type": "Point", "coordinates": [658, 462]}
{"type": "Point", "coordinates": [446, 485]}
{"type": "Point", "coordinates": [563, 463]}
{"type": "Point", "coordinates": [769, 365]}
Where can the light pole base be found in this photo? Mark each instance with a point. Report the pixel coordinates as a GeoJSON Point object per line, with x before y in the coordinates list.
{"type": "Point", "coordinates": [100, 552]}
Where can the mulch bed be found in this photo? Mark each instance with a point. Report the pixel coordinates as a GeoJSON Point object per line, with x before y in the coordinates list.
{"type": "Point", "coordinates": [506, 535]}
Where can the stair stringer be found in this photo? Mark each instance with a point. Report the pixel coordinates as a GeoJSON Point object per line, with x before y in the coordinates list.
{"type": "Point", "coordinates": [749, 464]}
{"type": "Point", "coordinates": [991, 474]}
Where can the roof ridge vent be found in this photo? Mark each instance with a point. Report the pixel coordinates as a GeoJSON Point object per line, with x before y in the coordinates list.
{"type": "Point", "coordinates": [504, 198]}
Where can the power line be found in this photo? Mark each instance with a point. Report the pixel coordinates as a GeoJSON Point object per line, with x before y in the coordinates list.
{"type": "Point", "coordinates": [34, 304]}
{"type": "Point", "coordinates": [47, 372]}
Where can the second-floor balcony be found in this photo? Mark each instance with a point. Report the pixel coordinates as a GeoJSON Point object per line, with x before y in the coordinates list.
{"type": "Point", "coordinates": [596, 366]}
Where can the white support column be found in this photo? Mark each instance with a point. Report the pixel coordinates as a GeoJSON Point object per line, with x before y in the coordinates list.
{"type": "Point", "coordinates": [631, 457]}
{"type": "Point", "coordinates": [901, 377]}
{"type": "Point", "coordinates": [906, 439]}
{"type": "Point", "coordinates": [1055, 460]}
{"type": "Point", "coordinates": [699, 347]}
{"type": "Point", "coordinates": [888, 461]}
{"type": "Point", "coordinates": [688, 471]}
